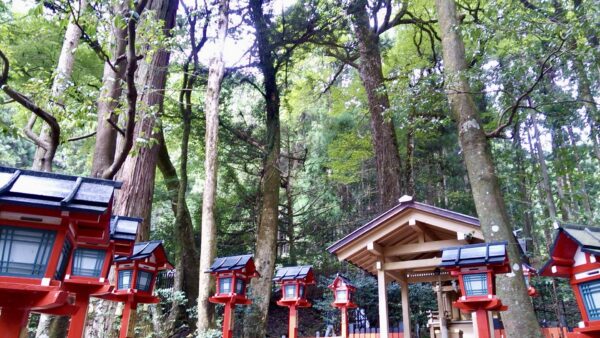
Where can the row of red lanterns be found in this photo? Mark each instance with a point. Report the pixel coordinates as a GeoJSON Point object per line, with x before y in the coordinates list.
{"type": "Point", "coordinates": [58, 242]}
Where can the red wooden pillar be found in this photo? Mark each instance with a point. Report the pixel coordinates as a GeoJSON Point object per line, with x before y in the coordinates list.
{"type": "Point", "coordinates": [483, 323]}
{"type": "Point", "coordinates": [128, 320]}
{"type": "Point", "coordinates": [12, 322]}
{"type": "Point", "coordinates": [78, 319]}
{"type": "Point", "coordinates": [293, 324]}
{"type": "Point", "coordinates": [344, 322]}
{"type": "Point", "coordinates": [228, 320]}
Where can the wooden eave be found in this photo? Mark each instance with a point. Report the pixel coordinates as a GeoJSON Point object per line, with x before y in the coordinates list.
{"type": "Point", "coordinates": [406, 241]}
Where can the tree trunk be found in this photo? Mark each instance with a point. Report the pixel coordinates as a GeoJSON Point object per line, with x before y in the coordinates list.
{"type": "Point", "coordinates": [135, 197]}
{"type": "Point", "coordinates": [108, 101]}
{"type": "Point", "coordinates": [385, 144]}
{"type": "Point", "coordinates": [562, 186]}
{"type": "Point", "coordinates": [184, 227]}
{"type": "Point", "coordinates": [208, 247]}
{"type": "Point", "coordinates": [266, 235]}
{"type": "Point", "coordinates": [545, 184]}
{"type": "Point", "coordinates": [520, 319]}
{"type": "Point", "coordinates": [53, 326]}
{"type": "Point", "coordinates": [587, 206]}
{"type": "Point", "coordinates": [63, 71]}
{"type": "Point", "coordinates": [547, 228]}
{"type": "Point", "coordinates": [137, 173]}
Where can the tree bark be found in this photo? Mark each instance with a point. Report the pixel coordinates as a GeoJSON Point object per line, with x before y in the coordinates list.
{"type": "Point", "coordinates": [546, 185]}
{"type": "Point", "coordinates": [43, 158]}
{"type": "Point", "coordinates": [520, 319]}
{"type": "Point", "coordinates": [108, 101]}
{"type": "Point", "coordinates": [384, 140]}
{"type": "Point", "coordinates": [138, 172]}
{"type": "Point", "coordinates": [184, 227]}
{"type": "Point", "coordinates": [208, 246]}
{"type": "Point", "coordinates": [587, 205]}
{"type": "Point", "coordinates": [266, 236]}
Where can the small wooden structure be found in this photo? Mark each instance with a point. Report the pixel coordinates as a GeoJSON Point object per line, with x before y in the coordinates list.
{"type": "Point", "coordinates": [233, 276]}
{"type": "Point", "coordinates": [45, 218]}
{"type": "Point", "coordinates": [343, 294]}
{"type": "Point", "coordinates": [575, 254]}
{"type": "Point", "coordinates": [404, 245]}
{"type": "Point", "coordinates": [136, 276]}
{"type": "Point", "coordinates": [476, 267]}
{"type": "Point", "coordinates": [293, 281]}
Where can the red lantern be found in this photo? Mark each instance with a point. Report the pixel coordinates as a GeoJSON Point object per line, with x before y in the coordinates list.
{"type": "Point", "coordinates": [87, 273]}
{"type": "Point", "coordinates": [575, 255]}
{"type": "Point", "coordinates": [44, 219]}
{"type": "Point", "coordinates": [293, 281]}
{"type": "Point", "coordinates": [233, 276]}
{"type": "Point", "coordinates": [476, 267]}
{"type": "Point", "coordinates": [135, 278]}
{"type": "Point", "coordinates": [343, 292]}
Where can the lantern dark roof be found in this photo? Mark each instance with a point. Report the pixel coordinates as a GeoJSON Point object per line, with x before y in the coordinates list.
{"type": "Point", "coordinates": [344, 279]}
{"type": "Point", "coordinates": [230, 263]}
{"type": "Point", "coordinates": [588, 238]}
{"type": "Point", "coordinates": [294, 273]}
{"type": "Point", "coordinates": [145, 250]}
{"type": "Point", "coordinates": [141, 250]}
{"type": "Point", "coordinates": [341, 278]}
{"type": "Point", "coordinates": [124, 228]}
{"type": "Point", "coordinates": [474, 254]}
{"type": "Point", "coordinates": [567, 240]}
{"type": "Point", "coordinates": [50, 190]}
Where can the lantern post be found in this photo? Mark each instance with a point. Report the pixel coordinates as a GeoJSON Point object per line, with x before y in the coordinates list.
{"type": "Point", "coordinates": [343, 295]}
{"type": "Point", "coordinates": [476, 266]}
{"type": "Point", "coordinates": [42, 217]}
{"type": "Point", "coordinates": [293, 281]}
{"type": "Point", "coordinates": [232, 275]}
{"type": "Point", "coordinates": [575, 255]}
{"type": "Point", "coordinates": [135, 279]}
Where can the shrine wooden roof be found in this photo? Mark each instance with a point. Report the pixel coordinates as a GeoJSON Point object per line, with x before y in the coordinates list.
{"type": "Point", "coordinates": [50, 190]}
{"type": "Point", "coordinates": [407, 240]}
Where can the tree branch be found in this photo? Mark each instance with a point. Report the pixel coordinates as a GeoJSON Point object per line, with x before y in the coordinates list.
{"type": "Point", "coordinates": [544, 68]}
{"type": "Point", "coordinates": [38, 111]}
{"type": "Point", "coordinates": [132, 61]}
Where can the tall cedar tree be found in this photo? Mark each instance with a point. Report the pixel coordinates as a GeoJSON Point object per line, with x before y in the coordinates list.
{"type": "Point", "coordinates": [208, 247]}
{"type": "Point", "coordinates": [520, 319]}
{"type": "Point", "coordinates": [266, 235]}
{"type": "Point", "coordinates": [383, 133]}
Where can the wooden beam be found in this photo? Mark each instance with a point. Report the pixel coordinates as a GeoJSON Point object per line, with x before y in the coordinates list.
{"type": "Point", "coordinates": [412, 223]}
{"type": "Point", "coordinates": [383, 308]}
{"type": "Point", "coordinates": [414, 264]}
{"type": "Point", "coordinates": [375, 249]}
{"type": "Point", "coordinates": [405, 306]}
{"type": "Point", "coordinates": [438, 221]}
{"type": "Point", "coordinates": [417, 248]}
